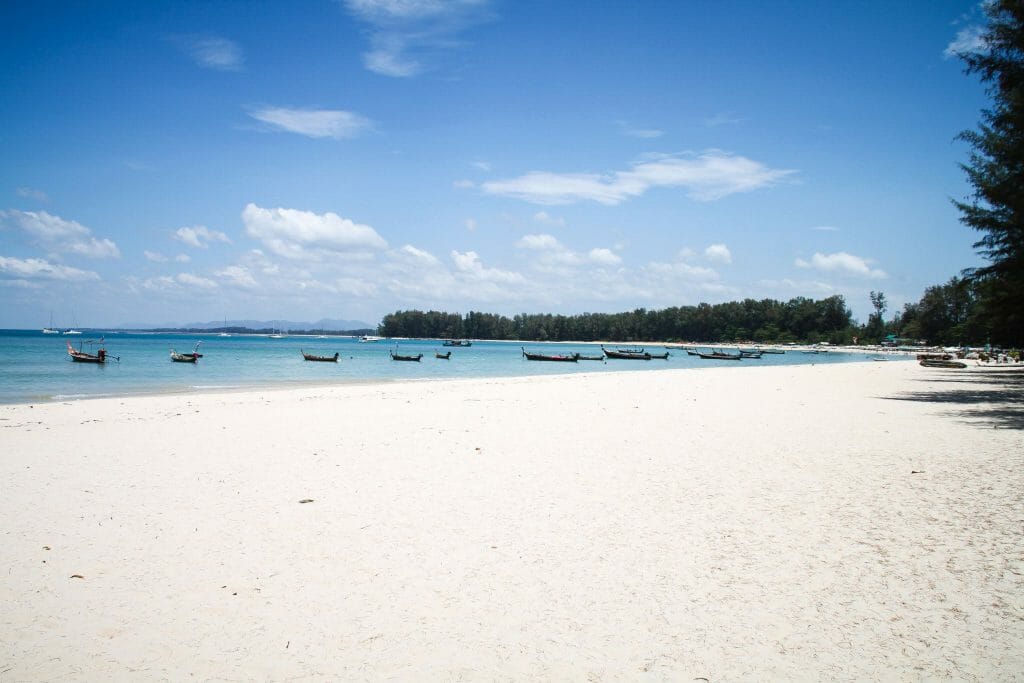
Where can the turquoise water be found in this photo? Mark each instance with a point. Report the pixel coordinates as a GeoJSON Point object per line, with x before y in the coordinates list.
{"type": "Point", "coordinates": [35, 367]}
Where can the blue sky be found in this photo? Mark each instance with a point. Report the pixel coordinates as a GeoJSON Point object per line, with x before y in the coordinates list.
{"type": "Point", "coordinates": [190, 161]}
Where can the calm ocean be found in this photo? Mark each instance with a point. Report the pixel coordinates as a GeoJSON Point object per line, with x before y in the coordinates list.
{"type": "Point", "coordinates": [35, 367]}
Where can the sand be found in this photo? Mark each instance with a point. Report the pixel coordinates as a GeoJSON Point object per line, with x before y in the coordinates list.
{"type": "Point", "coordinates": [853, 521]}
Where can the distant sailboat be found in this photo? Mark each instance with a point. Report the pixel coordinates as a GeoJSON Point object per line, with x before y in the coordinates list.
{"type": "Point", "coordinates": [225, 332]}
{"type": "Point", "coordinates": [72, 330]}
{"type": "Point", "coordinates": [51, 329]}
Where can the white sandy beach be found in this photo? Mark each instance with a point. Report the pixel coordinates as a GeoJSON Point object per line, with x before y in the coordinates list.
{"type": "Point", "coordinates": [774, 523]}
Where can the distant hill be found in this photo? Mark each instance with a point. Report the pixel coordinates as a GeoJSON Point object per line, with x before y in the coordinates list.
{"type": "Point", "coordinates": [323, 324]}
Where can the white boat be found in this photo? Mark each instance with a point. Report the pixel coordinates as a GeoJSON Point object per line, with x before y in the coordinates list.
{"type": "Point", "coordinates": [225, 332]}
{"type": "Point", "coordinates": [368, 338]}
{"type": "Point", "coordinates": [51, 329]}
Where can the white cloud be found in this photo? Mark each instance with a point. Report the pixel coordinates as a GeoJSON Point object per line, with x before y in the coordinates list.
{"type": "Point", "coordinates": [191, 280]}
{"type": "Point", "coordinates": [314, 123]}
{"type": "Point", "coordinates": [604, 257]}
{"type": "Point", "coordinates": [154, 256]}
{"type": "Point", "coordinates": [468, 265]}
{"type": "Point", "coordinates": [200, 236]}
{"type": "Point", "coordinates": [61, 235]}
{"type": "Point", "coordinates": [970, 39]}
{"type": "Point", "coordinates": [825, 228]}
{"type": "Point", "coordinates": [471, 224]}
{"type": "Point", "coordinates": [554, 253]}
{"type": "Point", "coordinates": [239, 276]}
{"type": "Point", "coordinates": [34, 268]}
{"type": "Point", "coordinates": [213, 52]}
{"type": "Point", "coordinates": [406, 35]}
{"type": "Point", "coordinates": [299, 234]}
{"type": "Point", "coordinates": [482, 165]}
{"type": "Point", "coordinates": [680, 270]}
{"type": "Point", "coordinates": [30, 193]}
{"type": "Point", "coordinates": [182, 258]}
{"type": "Point", "coordinates": [544, 218]}
{"type": "Point", "coordinates": [412, 255]}
{"type": "Point", "coordinates": [843, 263]}
{"type": "Point", "coordinates": [706, 177]}
{"type": "Point", "coordinates": [719, 253]}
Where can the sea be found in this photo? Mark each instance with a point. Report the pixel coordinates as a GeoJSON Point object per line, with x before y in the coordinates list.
{"type": "Point", "coordinates": [35, 367]}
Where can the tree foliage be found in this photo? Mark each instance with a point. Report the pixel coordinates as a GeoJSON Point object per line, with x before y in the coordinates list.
{"type": "Point", "coordinates": [996, 172]}
{"type": "Point", "coordinates": [767, 320]}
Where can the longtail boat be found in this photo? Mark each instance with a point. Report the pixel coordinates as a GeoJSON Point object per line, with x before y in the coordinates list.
{"type": "Point", "coordinates": [627, 354]}
{"type": "Point", "coordinates": [580, 356]}
{"type": "Point", "coordinates": [658, 356]}
{"type": "Point", "coordinates": [572, 358]}
{"type": "Point", "coordinates": [719, 355]}
{"type": "Point", "coordinates": [183, 357]}
{"type": "Point", "coordinates": [396, 356]}
{"type": "Point", "coordinates": [935, 356]}
{"type": "Point", "coordinates": [79, 356]}
{"type": "Point", "coordinates": [457, 342]}
{"type": "Point", "coordinates": [933, 363]}
{"type": "Point", "coordinates": [320, 359]}
{"type": "Point", "coordinates": [443, 356]}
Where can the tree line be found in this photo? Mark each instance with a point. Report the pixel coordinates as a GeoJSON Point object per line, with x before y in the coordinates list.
{"type": "Point", "coordinates": [767, 320]}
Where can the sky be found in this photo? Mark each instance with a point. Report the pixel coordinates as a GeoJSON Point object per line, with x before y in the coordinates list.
{"type": "Point", "coordinates": [166, 163]}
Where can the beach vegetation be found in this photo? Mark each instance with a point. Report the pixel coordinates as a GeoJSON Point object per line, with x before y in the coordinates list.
{"type": "Point", "coordinates": [766, 321]}
{"type": "Point", "coordinates": [995, 170]}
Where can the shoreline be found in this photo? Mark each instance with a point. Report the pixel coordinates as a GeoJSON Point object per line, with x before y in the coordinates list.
{"type": "Point", "coordinates": [826, 521]}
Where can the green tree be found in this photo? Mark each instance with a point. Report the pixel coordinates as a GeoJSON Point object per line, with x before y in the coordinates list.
{"type": "Point", "coordinates": [996, 171]}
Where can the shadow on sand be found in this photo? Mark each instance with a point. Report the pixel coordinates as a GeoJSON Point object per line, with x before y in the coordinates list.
{"type": "Point", "coordinates": [990, 398]}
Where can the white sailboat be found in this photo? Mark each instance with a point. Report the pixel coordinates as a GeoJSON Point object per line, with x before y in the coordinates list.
{"type": "Point", "coordinates": [225, 332]}
{"type": "Point", "coordinates": [72, 330]}
{"type": "Point", "coordinates": [51, 329]}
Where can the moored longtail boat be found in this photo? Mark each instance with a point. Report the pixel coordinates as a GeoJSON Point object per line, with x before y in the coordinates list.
{"type": "Point", "coordinates": [183, 357]}
{"type": "Point", "coordinates": [443, 356]}
{"type": "Point", "coordinates": [320, 359]}
{"type": "Point", "coordinates": [720, 355]}
{"type": "Point", "coordinates": [627, 354]}
{"type": "Point", "coordinates": [457, 342]}
{"type": "Point", "coordinates": [396, 356]}
{"type": "Point", "coordinates": [556, 358]}
{"type": "Point", "coordinates": [79, 356]}
{"type": "Point", "coordinates": [934, 363]}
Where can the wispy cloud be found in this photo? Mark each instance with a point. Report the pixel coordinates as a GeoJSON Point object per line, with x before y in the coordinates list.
{"type": "Point", "coordinates": [212, 52]}
{"type": "Point", "coordinates": [725, 118]}
{"type": "Point", "coordinates": [706, 177]}
{"type": "Point", "coordinates": [969, 39]}
{"type": "Point", "coordinates": [154, 256]}
{"type": "Point", "coordinates": [34, 268]}
{"type": "Point", "coordinates": [314, 123]}
{"type": "Point", "coordinates": [406, 35]}
{"type": "Point", "coordinates": [199, 236]}
{"type": "Point", "coordinates": [297, 234]}
{"type": "Point", "coordinates": [842, 263]}
{"type": "Point", "coordinates": [31, 193]}
{"type": "Point", "coordinates": [544, 218]}
{"type": "Point", "coordinates": [635, 132]}
{"type": "Point", "coordinates": [60, 235]}
{"type": "Point", "coordinates": [825, 228]}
